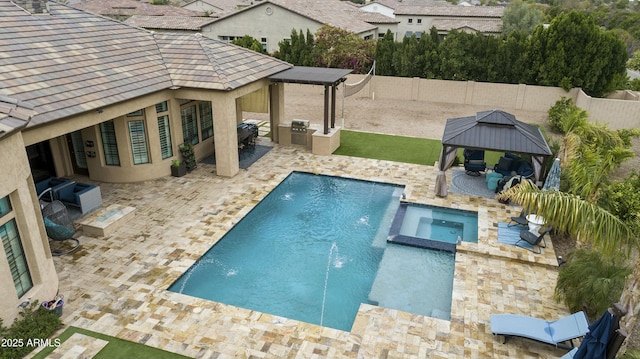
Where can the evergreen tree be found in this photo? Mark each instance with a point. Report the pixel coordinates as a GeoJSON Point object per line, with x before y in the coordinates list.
{"type": "Point", "coordinates": [249, 43]}
{"type": "Point", "coordinates": [385, 48]}
{"type": "Point", "coordinates": [521, 16]}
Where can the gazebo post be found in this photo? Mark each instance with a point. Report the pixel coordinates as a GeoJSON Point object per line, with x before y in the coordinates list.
{"type": "Point", "coordinates": [333, 106]}
{"type": "Point", "coordinates": [326, 109]}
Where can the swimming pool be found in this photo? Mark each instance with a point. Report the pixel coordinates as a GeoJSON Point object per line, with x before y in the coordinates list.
{"type": "Point", "coordinates": [314, 249]}
{"type": "Point", "coordinates": [309, 251]}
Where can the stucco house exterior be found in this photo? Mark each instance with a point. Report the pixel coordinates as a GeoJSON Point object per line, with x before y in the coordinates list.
{"type": "Point", "coordinates": [384, 7]}
{"type": "Point", "coordinates": [216, 8]}
{"type": "Point", "coordinates": [271, 21]}
{"type": "Point", "coordinates": [88, 95]}
{"type": "Point", "coordinates": [417, 17]}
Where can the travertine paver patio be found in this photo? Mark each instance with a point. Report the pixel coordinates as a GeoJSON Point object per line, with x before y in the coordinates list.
{"type": "Point", "coordinates": [116, 285]}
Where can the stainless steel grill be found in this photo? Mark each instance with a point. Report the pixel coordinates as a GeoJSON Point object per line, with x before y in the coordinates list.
{"type": "Point", "coordinates": [299, 125]}
{"type": "Point", "coordinates": [299, 132]}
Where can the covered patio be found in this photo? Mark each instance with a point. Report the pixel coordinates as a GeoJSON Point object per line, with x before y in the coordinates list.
{"type": "Point", "coordinates": [493, 130]}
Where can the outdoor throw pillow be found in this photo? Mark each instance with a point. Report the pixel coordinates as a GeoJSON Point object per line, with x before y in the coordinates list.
{"type": "Point", "coordinates": [504, 164]}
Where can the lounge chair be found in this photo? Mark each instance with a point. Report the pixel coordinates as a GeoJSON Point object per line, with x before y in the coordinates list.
{"type": "Point", "coordinates": [570, 354]}
{"type": "Point", "coordinates": [554, 333]}
{"type": "Point", "coordinates": [533, 240]}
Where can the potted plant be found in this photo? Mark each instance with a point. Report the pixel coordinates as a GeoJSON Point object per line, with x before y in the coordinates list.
{"type": "Point", "coordinates": [188, 156]}
{"type": "Point", "coordinates": [178, 168]}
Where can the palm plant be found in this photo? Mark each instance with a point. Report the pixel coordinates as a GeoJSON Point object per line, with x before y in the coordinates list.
{"type": "Point", "coordinates": [590, 281]}
{"type": "Point", "coordinates": [568, 213]}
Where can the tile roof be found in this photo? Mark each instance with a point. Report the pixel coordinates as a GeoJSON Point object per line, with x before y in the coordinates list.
{"type": "Point", "coordinates": [132, 7]}
{"type": "Point", "coordinates": [392, 4]}
{"type": "Point", "coordinates": [330, 12]}
{"type": "Point", "coordinates": [188, 23]}
{"type": "Point", "coordinates": [196, 61]}
{"type": "Point", "coordinates": [373, 17]}
{"type": "Point", "coordinates": [71, 62]}
{"type": "Point", "coordinates": [442, 8]}
{"type": "Point", "coordinates": [14, 115]}
{"type": "Point", "coordinates": [481, 25]}
{"type": "Point", "coordinates": [226, 6]}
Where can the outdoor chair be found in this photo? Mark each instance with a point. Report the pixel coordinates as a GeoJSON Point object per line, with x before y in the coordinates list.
{"type": "Point", "coordinates": [554, 333]}
{"type": "Point", "coordinates": [533, 240]}
{"type": "Point", "coordinates": [474, 162]}
{"type": "Point", "coordinates": [521, 220]}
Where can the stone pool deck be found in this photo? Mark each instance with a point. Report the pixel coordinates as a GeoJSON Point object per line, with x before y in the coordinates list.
{"type": "Point", "coordinates": [116, 284]}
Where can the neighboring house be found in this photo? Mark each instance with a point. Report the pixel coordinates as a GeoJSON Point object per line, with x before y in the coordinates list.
{"type": "Point", "coordinates": [85, 95]}
{"type": "Point", "coordinates": [382, 22]}
{"type": "Point", "coordinates": [123, 9]}
{"type": "Point", "coordinates": [170, 23]}
{"type": "Point", "coordinates": [271, 21]}
{"type": "Point", "coordinates": [384, 7]}
{"type": "Point", "coordinates": [417, 17]}
{"type": "Point", "coordinates": [217, 8]}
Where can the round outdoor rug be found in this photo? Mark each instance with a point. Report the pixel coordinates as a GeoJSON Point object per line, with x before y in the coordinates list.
{"type": "Point", "coordinates": [470, 185]}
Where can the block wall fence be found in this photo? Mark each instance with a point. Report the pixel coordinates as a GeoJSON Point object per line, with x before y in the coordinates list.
{"type": "Point", "coordinates": [619, 110]}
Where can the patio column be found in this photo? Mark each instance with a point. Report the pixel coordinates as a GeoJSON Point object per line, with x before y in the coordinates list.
{"type": "Point", "coordinates": [226, 136]}
{"type": "Point", "coordinates": [333, 106]}
{"type": "Point", "coordinates": [276, 110]}
{"type": "Point", "coordinates": [326, 109]}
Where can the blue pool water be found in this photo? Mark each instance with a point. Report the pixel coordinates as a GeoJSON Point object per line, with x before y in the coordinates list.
{"type": "Point", "coordinates": [309, 251]}
{"type": "Point", "coordinates": [440, 224]}
{"type": "Point", "coordinates": [316, 247]}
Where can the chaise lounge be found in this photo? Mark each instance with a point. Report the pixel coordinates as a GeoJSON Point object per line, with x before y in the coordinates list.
{"type": "Point", "coordinates": [554, 333]}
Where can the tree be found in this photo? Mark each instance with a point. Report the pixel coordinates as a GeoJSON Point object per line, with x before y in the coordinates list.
{"type": "Point", "coordinates": [574, 52]}
{"type": "Point", "coordinates": [337, 48]}
{"type": "Point", "coordinates": [297, 50]}
{"type": "Point", "coordinates": [385, 48]}
{"type": "Point", "coordinates": [634, 61]}
{"type": "Point", "coordinates": [520, 16]}
{"type": "Point", "coordinates": [249, 42]}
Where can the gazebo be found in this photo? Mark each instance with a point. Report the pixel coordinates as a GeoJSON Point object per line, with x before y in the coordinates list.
{"type": "Point", "coordinates": [493, 130]}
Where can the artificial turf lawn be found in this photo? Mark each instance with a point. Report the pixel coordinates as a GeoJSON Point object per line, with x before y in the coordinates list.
{"type": "Point", "coordinates": [420, 151]}
{"type": "Point", "coordinates": [117, 348]}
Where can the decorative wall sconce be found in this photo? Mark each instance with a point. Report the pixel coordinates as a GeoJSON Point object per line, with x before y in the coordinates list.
{"type": "Point", "coordinates": [88, 143]}
{"type": "Point", "coordinates": [99, 110]}
{"type": "Point", "coordinates": [91, 154]}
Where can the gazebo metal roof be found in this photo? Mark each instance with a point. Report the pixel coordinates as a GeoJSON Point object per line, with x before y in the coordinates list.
{"type": "Point", "coordinates": [497, 131]}
{"type": "Point", "coordinates": [490, 130]}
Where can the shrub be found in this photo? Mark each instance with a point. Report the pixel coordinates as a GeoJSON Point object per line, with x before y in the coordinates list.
{"type": "Point", "coordinates": [34, 322]}
{"type": "Point", "coordinates": [564, 115]}
{"type": "Point", "coordinates": [590, 281]}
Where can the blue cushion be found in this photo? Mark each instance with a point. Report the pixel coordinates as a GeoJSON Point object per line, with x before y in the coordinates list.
{"type": "Point", "coordinates": [57, 231]}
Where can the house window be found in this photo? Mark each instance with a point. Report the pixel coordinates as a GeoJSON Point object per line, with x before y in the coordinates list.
{"type": "Point", "coordinates": [13, 249]}
{"type": "Point", "coordinates": [136, 113]}
{"type": "Point", "coordinates": [138, 142]}
{"type": "Point", "coordinates": [206, 119]}
{"type": "Point", "coordinates": [162, 107]}
{"type": "Point", "coordinates": [189, 125]}
{"type": "Point", "coordinates": [419, 21]}
{"type": "Point", "coordinates": [109, 143]}
{"type": "Point", "coordinates": [165, 136]}
{"type": "Point", "coordinates": [263, 41]}
{"type": "Point", "coordinates": [418, 35]}
{"type": "Point", "coordinates": [408, 34]}
{"type": "Point", "coordinates": [410, 21]}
